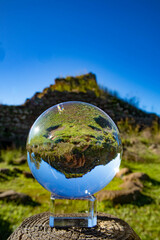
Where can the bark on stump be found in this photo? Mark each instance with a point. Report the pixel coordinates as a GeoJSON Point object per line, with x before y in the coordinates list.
{"type": "Point", "coordinates": [108, 227]}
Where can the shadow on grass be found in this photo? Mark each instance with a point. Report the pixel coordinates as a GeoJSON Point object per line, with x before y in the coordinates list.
{"type": "Point", "coordinates": [18, 198]}
{"type": "Point", "coordinates": [30, 203]}
{"type": "Point", "coordinates": [5, 229]}
{"type": "Point", "coordinates": [26, 202]}
{"type": "Point", "coordinates": [3, 178]}
{"type": "Point", "coordinates": [154, 182]}
{"type": "Point", "coordinates": [139, 201]}
{"type": "Point", "coordinates": [143, 200]}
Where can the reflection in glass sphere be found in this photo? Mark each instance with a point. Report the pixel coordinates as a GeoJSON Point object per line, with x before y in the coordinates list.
{"type": "Point", "coordinates": [74, 149]}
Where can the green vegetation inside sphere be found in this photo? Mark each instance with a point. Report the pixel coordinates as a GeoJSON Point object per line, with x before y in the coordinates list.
{"type": "Point", "coordinates": [74, 138]}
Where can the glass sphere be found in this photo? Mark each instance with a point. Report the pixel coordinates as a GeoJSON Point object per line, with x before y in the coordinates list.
{"type": "Point", "coordinates": [74, 149]}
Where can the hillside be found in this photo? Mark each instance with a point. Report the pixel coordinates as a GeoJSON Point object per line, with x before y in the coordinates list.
{"type": "Point", "coordinates": [15, 121]}
{"type": "Point", "coordinates": [140, 135]}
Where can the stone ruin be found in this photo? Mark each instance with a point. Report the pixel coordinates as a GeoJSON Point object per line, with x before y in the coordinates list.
{"type": "Point", "coordinates": [15, 121]}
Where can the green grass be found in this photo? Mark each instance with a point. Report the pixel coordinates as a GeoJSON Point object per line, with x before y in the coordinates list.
{"type": "Point", "coordinates": [144, 219]}
{"type": "Point", "coordinates": [10, 155]}
{"type": "Point", "coordinates": [142, 216]}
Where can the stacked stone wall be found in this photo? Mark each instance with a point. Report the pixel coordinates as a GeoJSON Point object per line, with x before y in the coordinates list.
{"type": "Point", "coordinates": [15, 121]}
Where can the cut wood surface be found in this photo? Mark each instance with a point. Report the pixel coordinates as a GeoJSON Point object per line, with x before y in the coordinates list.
{"type": "Point", "coordinates": [108, 227]}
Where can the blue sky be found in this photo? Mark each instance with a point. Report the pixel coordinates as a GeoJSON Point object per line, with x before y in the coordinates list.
{"type": "Point", "coordinates": [119, 41]}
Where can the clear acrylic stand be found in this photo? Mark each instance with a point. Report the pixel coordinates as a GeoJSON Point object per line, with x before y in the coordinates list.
{"type": "Point", "coordinates": [63, 215]}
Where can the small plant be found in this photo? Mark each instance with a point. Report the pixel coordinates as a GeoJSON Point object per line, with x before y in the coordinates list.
{"type": "Point", "coordinates": [155, 126]}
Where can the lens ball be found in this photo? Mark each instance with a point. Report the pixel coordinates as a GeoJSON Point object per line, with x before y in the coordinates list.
{"type": "Point", "coordinates": [74, 149]}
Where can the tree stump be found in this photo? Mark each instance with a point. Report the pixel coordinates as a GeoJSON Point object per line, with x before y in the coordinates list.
{"type": "Point", "coordinates": [108, 227]}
